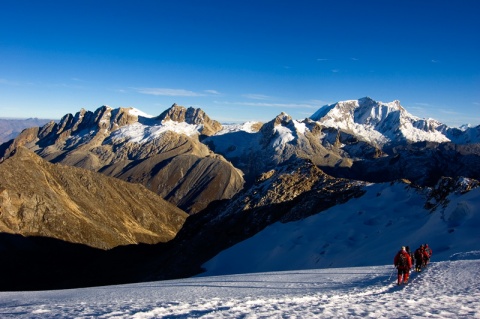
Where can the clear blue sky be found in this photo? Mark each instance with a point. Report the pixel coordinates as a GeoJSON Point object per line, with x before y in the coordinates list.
{"type": "Point", "coordinates": [239, 60]}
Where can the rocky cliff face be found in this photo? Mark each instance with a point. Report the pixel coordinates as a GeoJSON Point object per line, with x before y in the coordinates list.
{"type": "Point", "coordinates": [38, 198]}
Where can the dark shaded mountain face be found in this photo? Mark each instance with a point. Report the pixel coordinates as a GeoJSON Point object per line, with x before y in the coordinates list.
{"type": "Point", "coordinates": [44, 263]}
{"type": "Point", "coordinates": [422, 163]}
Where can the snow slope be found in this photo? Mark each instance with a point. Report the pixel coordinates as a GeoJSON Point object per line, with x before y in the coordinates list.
{"type": "Point", "coordinates": [449, 289]}
{"type": "Point", "coordinates": [141, 133]}
{"type": "Point", "coordinates": [364, 231]}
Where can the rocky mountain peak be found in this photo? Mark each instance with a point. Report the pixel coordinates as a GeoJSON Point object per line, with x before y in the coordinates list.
{"type": "Point", "coordinates": [364, 111]}
{"type": "Point", "coordinates": [282, 119]}
{"type": "Point", "coordinates": [194, 116]}
{"type": "Point", "coordinates": [368, 103]}
{"type": "Point", "coordinates": [104, 118]}
{"type": "Point", "coordinates": [21, 153]}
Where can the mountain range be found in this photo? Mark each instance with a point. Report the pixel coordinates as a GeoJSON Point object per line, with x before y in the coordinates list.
{"type": "Point", "coordinates": [233, 182]}
{"type": "Point", "coordinates": [10, 128]}
{"type": "Point", "coordinates": [168, 158]}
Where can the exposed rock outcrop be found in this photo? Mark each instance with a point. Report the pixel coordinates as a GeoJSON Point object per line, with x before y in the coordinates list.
{"type": "Point", "coordinates": [438, 194]}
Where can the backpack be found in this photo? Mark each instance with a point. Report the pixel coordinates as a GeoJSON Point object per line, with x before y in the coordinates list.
{"type": "Point", "coordinates": [418, 254]}
{"type": "Point", "coordinates": [402, 261]}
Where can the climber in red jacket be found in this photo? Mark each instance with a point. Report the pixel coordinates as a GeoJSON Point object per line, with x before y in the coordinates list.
{"type": "Point", "coordinates": [428, 253]}
{"type": "Point", "coordinates": [403, 263]}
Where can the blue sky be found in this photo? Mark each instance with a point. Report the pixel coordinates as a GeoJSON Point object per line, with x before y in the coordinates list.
{"type": "Point", "coordinates": [239, 60]}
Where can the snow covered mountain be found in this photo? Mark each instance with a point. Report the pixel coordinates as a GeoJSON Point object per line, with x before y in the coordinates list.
{"type": "Point", "coordinates": [359, 139]}
{"type": "Point", "coordinates": [382, 123]}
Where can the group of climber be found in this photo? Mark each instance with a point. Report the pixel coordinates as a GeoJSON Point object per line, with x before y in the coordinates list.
{"type": "Point", "coordinates": [405, 259]}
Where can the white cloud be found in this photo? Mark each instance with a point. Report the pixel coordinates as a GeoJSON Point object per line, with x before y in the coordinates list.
{"type": "Point", "coordinates": [418, 109]}
{"type": "Point", "coordinates": [422, 104]}
{"type": "Point", "coordinates": [322, 59]}
{"type": "Point", "coordinates": [256, 96]}
{"type": "Point", "coordinates": [214, 92]}
{"type": "Point", "coordinates": [317, 103]}
{"type": "Point", "coordinates": [450, 112]}
{"type": "Point", "coordinates": [263, 104]}
{"type": "Point", "coordinates": [167, 92]}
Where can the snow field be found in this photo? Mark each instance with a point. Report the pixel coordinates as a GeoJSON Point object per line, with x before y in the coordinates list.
{"type": "Point", "coordinates": [448, 289]}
